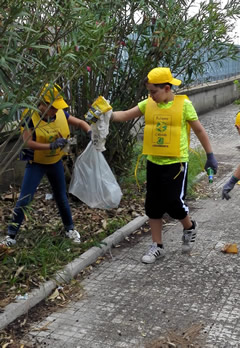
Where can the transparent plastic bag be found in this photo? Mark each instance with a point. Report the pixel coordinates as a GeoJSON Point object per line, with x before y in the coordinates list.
{"type": "Point", "coordinates": [93, 181]}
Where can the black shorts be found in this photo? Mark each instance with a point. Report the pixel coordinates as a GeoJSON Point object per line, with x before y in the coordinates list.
{"type": "Point", "coordinates": [166, 190]}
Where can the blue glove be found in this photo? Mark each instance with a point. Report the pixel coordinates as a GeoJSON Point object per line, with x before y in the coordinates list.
{"type": "Point", "coordinates": [228, 187]}
{"type": "Point", "coordinates": [59, 143]}
{"type": "Point", "coordinates": [211, 162]}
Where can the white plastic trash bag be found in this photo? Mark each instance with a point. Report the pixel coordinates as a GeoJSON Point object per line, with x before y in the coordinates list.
{"type": "Point", "coordinates": [93, 181]}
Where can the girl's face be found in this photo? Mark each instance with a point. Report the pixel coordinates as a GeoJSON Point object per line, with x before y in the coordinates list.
{"type": "Point", "coordinates": [159, 95]}
{"type": "Point", "coordinates": [49, 111]}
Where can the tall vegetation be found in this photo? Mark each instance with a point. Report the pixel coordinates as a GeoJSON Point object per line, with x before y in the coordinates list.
{"type": "Point", "coordinates": [104, 48]}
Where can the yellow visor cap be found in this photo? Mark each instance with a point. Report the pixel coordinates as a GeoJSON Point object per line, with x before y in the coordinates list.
{"type": "Point", "coordinates": [162, 75]}
{"type": "Point", "coordinates": [237, 121]}
{"type": "Point", "coordinates": [52, 95]}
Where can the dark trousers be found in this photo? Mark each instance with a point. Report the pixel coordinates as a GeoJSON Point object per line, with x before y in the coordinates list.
{"type": "Point", "coordinates": [33, 175]}
{"type": "Point", "coordinates": [166, 190]}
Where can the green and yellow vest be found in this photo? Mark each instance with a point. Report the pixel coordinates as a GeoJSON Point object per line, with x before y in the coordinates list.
{"type": "Point", "coordinates": [48, 132]}
{"type": "Point", "coordinates": [162, 130]}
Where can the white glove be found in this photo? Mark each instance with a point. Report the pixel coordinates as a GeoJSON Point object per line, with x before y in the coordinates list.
{"type": "Point", "coordinates": [100, 130]}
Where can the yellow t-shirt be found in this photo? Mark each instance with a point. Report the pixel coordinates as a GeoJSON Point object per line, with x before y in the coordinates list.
{"type": "Point", "coordinates": [189, 114]}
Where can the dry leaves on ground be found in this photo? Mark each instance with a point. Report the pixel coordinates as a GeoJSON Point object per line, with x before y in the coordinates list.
{"type": "Point", "coordinates": [188, 338]}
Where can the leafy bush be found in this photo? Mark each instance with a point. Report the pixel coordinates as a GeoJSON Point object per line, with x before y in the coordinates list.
{"type": "Point", "coordinates": [94, 48]}
{"type": "Point", "coordinates": [237, 83]}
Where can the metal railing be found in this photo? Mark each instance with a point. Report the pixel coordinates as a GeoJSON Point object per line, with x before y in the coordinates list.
{"type": "Point", "coordinates": [220, 70]}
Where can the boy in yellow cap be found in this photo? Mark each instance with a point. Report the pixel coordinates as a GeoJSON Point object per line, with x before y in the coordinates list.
{"type": "Point", "coordinates": [166, 133]}
{"type": "Point", "coordinates": [45, 134]}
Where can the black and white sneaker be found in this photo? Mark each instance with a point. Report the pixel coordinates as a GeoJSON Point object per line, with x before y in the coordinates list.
{"type": "Point", "coordinates": [153, 254]}
{"type": "Point", "coordinates": [189, 237]}
{"type": "Point", "coordinates": [8, 241]}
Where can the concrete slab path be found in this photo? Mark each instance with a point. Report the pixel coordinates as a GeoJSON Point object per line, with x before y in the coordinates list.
{"type": "Point", "coordinates": [129, 304]}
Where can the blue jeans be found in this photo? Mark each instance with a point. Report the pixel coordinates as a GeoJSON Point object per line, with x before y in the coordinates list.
{"type": "Point", "coordinates": [33, 175]}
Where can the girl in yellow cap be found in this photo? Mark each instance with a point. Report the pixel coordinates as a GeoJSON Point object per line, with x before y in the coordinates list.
{"type": "Point", "coordinates": [45, 136]}
{"type": "Point", "coordinates": [166, 139]}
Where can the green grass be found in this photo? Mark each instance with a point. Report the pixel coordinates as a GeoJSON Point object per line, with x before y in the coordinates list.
{"type": "Point", "coordinates": [197, 159]}
{"type": "Point", "coordinates": [138, 160]}
{"type": "Point", "coordinates": [41, 251]}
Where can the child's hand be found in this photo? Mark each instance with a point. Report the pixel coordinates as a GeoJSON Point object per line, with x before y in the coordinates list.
{"type": "Point", "coordinates": [211, 162]}
{"type": "Point", "coordinates": [228, 187]}
{"type": "Point", "coordinates": [59, 143]}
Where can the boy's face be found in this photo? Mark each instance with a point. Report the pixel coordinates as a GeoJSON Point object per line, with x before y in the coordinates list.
{"type": "Point", "coordinates": [159, 95]}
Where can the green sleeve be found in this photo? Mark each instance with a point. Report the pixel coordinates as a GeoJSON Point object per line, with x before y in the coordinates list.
{"type": "Point", "coordinates": [189, 111]}
{"type": "Point", "coordinates": [142, 106]}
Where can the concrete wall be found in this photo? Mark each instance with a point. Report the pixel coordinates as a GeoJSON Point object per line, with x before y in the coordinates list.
{"type": "Point", "coordinates": [213, 95]}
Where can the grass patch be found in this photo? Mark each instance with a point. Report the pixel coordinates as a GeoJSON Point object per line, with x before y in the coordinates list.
{"type": "Point", "coordinates": [197, 159]}
{"type": "Point", "coordinates": [137, 169]}
{"type": "Point", "coordinates": [237, 83]}
{"type": "Point", "coordinates": [42, 248]}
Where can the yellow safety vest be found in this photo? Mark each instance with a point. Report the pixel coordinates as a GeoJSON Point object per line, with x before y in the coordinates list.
{"type": "Point", "coordinates": [48, 132]}
{"type": "Point", "coordinates": [162, 130]}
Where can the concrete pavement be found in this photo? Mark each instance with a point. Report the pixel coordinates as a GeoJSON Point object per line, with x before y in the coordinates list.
{"type": "Point", "coordinates": [129, 304]}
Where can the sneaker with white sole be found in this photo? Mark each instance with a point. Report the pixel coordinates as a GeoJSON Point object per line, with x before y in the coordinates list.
{"type": "Point", "coordinates": [74, 235]}
{"type": "Point", "coordinates": [8, 241]}
{"type": "Point", "coordinates": [189, 237]}
{"type": "Point", "coordinates": [153, 254]}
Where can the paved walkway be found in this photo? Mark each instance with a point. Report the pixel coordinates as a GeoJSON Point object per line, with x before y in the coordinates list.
{"type": "Point", "coordinates": [129, 304]}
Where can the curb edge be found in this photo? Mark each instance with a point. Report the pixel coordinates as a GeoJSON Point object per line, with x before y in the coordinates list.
{"type": "Point", "coordinates": [15, 309]}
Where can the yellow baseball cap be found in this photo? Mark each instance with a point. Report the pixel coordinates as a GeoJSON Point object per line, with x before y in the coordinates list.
{"type": "Point", "coordinates": [162, 75]}
{"type": "Point", "coordinates": [237, 121]}
{"type": "Point", "coordinates": [52, 96]}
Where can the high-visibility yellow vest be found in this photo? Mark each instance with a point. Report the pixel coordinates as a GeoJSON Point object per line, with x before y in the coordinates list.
{"type": "Point", "coordinates": [48, 132]}
{"type": "Point", "coordinates": [162, 130]}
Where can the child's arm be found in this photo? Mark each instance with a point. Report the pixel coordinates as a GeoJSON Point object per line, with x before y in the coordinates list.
{"type": "Point", "coordinates": [201, 133]}
{"type": "Point", "coordinates": [122, 116]}
{"type": "Point", "coordinates": [238, 128]}
{"type": "Point", "coordinates": [76, 122]}
{"type": "Point", "coordinates": [231, 183]}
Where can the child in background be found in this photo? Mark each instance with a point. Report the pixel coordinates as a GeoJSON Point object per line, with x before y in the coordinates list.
{"type": "Point", "coordinates": [45, 135]}
{"type": "Point", "coordinates": [236, 175]}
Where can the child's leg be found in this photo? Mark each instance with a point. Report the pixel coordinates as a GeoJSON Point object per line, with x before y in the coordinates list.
{"type": "Point", "coordinates": [156, 230]}
{"type": "Point", "coordinates": [55, 175]}
{"type": "Point", "coordinates": [32, 177]}
{"type": "Point", "coordinates": [186, 222]}
{"type": "Point", "coordinates": [189, 233]}
{"type": "Point", "coordinates": [156, 250]}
